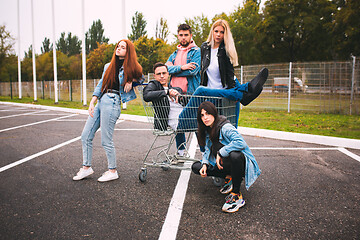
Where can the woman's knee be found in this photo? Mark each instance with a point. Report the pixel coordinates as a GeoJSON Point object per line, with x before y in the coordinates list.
{"type": "Point", "coordinates": [200, 90]}
{"type": "Point", "coordinates": [237, 156]}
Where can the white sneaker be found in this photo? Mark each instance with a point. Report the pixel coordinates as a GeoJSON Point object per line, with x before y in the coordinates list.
{"type": "Point", "coordinates": [83, 173]}
{"type": "Point", "coordinates": [181, 152]}
{"type": "Point", "coordinates": [108, 176]}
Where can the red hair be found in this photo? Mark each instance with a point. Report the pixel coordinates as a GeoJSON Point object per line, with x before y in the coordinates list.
{"type": "Point", "coordinates": [132, 69]}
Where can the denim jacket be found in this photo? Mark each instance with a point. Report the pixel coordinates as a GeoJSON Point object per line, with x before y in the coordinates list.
{"type": "Point", "coordinates": [193, 76]}
{"type": "Point", "coordinates": [125, 97]}
{"type": "Point", "coordinates": [233, 141]}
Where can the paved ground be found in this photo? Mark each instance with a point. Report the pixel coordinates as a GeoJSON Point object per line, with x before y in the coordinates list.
{"type": "Point", "coordinates": [305, 191]}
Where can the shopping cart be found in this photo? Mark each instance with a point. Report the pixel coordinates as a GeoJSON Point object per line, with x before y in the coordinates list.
{"type": "Point", "coordinates": [169, 118]}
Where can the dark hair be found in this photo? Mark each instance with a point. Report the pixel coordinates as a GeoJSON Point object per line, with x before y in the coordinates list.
{"type": "Point", "coordinates": [210, 108]}
{"type": "Point", "coordinates": [184, 27]}
{"type": "Point", "coordinates": [159, 64]}
{"type": "Point", "coordinates": [132, 68]}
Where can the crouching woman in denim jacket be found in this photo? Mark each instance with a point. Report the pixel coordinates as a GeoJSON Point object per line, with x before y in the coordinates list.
{"type": "Point", "coordinates": [226, 155]}
{"type": "Point", "coordinates": [118, 80]}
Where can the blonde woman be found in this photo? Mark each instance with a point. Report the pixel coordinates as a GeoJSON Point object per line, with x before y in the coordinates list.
{"type": "Point", "coordinates": [218, 59]}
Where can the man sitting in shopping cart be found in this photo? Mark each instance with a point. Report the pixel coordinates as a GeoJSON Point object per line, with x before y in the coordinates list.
{"type": "Point", "coordinates": [167, 102]}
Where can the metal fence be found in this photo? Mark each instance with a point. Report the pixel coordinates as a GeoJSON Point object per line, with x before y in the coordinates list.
{"type": "Point", "coordinates": [324, 87]}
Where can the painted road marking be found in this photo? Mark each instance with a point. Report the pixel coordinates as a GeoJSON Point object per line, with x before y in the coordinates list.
{"type": "Point", "coordinates": [23, 114]}
{"type": "Point", "coordinates": [43, 152]}
{"type": "Point", "coordinates": [38, 154]}
{"type": "Point", "coordinates": [35, 123]}
{"type": "Point", "coordinates": [173, 216]}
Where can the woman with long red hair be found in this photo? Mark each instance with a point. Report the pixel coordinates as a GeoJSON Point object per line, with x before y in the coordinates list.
{"type": "Point", "coordinates": [119, 78]}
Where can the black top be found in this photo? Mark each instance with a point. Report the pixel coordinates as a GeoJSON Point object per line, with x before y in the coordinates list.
{"type": "Point", "coordinates": [116, 84]}
{"type": "Point", "coordinates": [225, 67]}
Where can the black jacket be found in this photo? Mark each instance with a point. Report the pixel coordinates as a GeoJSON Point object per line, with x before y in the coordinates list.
{"type": "Point", "coordinates": [225, 66]}
{"type": "Point", "coordinates": [155, 93]}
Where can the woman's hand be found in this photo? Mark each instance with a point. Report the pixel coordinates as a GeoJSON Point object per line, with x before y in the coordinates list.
{"type": "Point", "coordinates": [92, 106]}
{"type": "Point", "coordinates": [128, 87]}
{"type": "Point", "coordinates": [203, 170]}
{"type": "Point", "coordinates": [219, 162]}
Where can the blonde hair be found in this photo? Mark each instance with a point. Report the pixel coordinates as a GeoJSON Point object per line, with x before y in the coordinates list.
{"type": "Point", "coordinates": [228, 40]}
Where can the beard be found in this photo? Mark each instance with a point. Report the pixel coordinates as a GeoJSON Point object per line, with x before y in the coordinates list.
{"type": "Point", "coordinates": [184, 44]}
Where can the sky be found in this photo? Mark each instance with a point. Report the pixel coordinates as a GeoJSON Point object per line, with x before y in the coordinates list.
{"type": "Point", "coordinates": [68, 17]}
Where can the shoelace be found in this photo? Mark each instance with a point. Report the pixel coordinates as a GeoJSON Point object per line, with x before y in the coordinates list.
{"type": "Point", "coordinates": [232, 198]}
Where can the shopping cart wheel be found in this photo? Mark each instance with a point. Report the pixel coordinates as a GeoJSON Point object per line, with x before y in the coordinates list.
{"type": "Point", "coordinates": [165, 168]}
{"type": "Point", "coordinates": [142, 175]}
{"type": "Point", "coordinates": [218, 181]}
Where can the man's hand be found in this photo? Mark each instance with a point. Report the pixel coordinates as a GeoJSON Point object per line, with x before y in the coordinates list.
{"type": "Point", "coordinates": [189, 66]}
{"type": "Point", "coordinates": [128, 87]}
{"type": "Point", "coordinates": [169, 64]}
{"type": "Point", "coordinates": [203, 170]}
{"type": "Point", "coordinates": [174, 94]}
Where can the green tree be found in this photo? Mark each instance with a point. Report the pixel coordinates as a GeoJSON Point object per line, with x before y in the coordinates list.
{"type": "Point", "coordinates": [61, 44]}
{"type": "Point", "coordinates": [6, 44]}
{"type": "Point", "coordinates": [98, 58]}
{"type": "Point", "coordinates": [162, 29]}
{"type": "Point", "coordinates": [150, 50]}
{"type": "Point", "coordinates": [243, 22]}
{"type": "Point", "coordinates": [94, 36]}
{"type": "Point", "coordinates": [74, 45]}
{"type": "Point", "coordinates": [70, 45]}
{"type": "Point", "coordinates": [296, 30]}
{"type": "Point", "coordinates": [138, 26]}
{"type": "Point", "coordinates": [46, 47]}
{"type": "Point", "coordinates": [28, 54]}
{"type": "Point", "coordinates": [345, 29]}
{"type": "Point", "coordinates": [44, 66]}
{"type": "Point", "coordinates": [200, 26]}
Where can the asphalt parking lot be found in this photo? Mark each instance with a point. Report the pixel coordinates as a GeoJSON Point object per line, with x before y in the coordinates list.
{"type": "Point", "coordinates": [305, 191]}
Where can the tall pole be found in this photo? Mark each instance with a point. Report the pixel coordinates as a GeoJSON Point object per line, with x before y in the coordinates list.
{"type": "Point", "coordinates": [289, 86]}
{"type": "Point", "coordinates": [54, 56]}
{"type": "Point", "coordinates": [33, 51]}
{"type": "Point", "coordinates": [352, 83]}
{"type": "Point", "coordinates": [123, 29]}
{"type": "Point", "coordinates": [19, 60]}
{"type": "Point", "coordinates": [83, 54]}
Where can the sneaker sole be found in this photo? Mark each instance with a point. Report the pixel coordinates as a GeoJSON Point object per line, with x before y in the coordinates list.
{"type": "Point", "coordinates": [233, 209]}
{"type": "Point", "coordinates": [108, 180]}
{"type": "Point", "coordinates": [82, 177]}
{"type": "Point", "coordinates": [227, 191]}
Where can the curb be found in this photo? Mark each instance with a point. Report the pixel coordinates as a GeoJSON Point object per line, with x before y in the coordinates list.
{"type": "Point", "coordinates": [289, 136]}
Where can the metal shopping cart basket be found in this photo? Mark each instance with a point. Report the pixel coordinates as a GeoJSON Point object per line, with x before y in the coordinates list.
{"type": "Point", "coordinates": [169, 118]}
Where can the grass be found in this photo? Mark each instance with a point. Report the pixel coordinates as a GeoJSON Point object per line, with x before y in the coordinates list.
{"type": "Point", "coordinates": [335, 125]}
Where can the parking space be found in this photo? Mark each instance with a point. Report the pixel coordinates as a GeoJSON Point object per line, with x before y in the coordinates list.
{"type": "Point", "coordinates": [304, 191]}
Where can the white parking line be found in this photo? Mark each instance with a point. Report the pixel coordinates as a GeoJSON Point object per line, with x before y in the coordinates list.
{"type": "Point", "coordinates": [23, 114]}
{"type": "Point", "coordinates": [172, 220]}
{"type": "Point", "coordinates": [45, 151]}
{"type": "Point", "coordinates": [38, 154]}
{"type": "Point", "coordinates": [350, 154]}
{"type": "Point", "coordinates": [35, 123]}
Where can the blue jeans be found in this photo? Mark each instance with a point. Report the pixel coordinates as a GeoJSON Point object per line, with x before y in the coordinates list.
{"type": "Point", "coordinates": [180, 141]}
{"type": "Point", "coordinates": [187, 118]}
{"type": "Point", "coordinates": [106, 113]}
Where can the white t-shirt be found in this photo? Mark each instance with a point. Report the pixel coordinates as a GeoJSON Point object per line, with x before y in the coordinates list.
{"type": "Point", "coordinates": [213, 71]}
{"type": "Point", "coordinates": [175, 110]}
